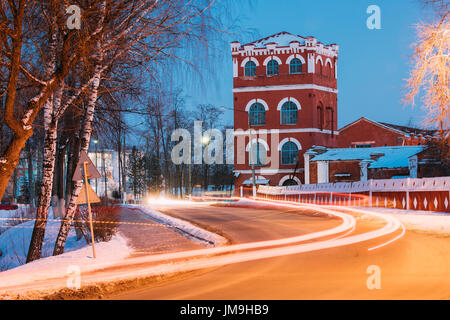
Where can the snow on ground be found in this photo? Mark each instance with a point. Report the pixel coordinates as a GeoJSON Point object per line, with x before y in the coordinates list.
{"type": "Point", "coordinates": [107, 254]}
{"type": "Point", "coordinates": [432, 221]}
{"type": "Point", "coordinates": [15, 241]}
{"type": "Point", "coordinates": [14, 244]}
{"type": "Point", "coordinates": [187, 229]}
{"type": "Point", "coordinates": [7, 216]}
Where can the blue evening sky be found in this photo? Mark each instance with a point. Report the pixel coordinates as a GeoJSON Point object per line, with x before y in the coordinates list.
{"type": "Point", "coordinates": [372, 66]}
{"type": "Point", "coordinates": [372, 63]}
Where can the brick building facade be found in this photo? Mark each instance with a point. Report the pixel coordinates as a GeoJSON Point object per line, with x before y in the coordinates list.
{"type": "Point", "coordinates": [285, 90]}
{"type": "Point", "coordinates": [330, 165]}
{"type": "Point", "coordinates": [365, 133]}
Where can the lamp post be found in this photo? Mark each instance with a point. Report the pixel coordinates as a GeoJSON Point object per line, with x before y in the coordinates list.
{"type": "Point", "coordinates": [205, 141]}
{"type": "Point", "coordinates": [96, 164]}
{"type": "Point", "coordinates": [190, 171]}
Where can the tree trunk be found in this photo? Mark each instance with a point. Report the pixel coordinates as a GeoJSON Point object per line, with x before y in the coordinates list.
{"type": "Point", "coordinates": [10, 159]}
{"type": "Point", "coordinates": [37, 238]}
{"type": "Point", "coordinates": [45, 196]}
{"type": "Point", "coordinates": [85, 140]}
{"type": "Point", "coordinates": [30, 175]}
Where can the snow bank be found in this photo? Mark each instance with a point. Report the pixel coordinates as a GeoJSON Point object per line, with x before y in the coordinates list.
{"type": "Point", "coordinates": [15, 241]}
{"type": "Point", "coordinates": [433, 221]}
{"type": "Point", "coordinates": [185, 228]}
{"type": "Point", "coordinates": [107, 254]}
{"type": "Point", "coordinates": [7, 216]}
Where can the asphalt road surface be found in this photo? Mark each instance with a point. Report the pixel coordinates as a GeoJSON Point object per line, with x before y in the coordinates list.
{"type": "Point", "coordinates": [416, 266]}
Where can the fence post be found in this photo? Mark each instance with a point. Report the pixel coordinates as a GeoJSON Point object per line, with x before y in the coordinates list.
{"type": "Point", "coordinates": [370, 193]}
{"type": "Point", "coordinates": [407, 192]}
{"type": "Point", "coordinates": [242, 191]}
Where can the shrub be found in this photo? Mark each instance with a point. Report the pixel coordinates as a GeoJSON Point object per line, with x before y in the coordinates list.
{"type": "Point", "coordinates": [105, 222]}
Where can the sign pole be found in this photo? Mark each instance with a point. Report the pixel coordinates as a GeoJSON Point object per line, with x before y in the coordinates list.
{"type": "Point", "coordinates": [89, 206]}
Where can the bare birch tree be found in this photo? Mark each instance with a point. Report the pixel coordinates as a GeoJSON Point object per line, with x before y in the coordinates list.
{"type": "Point", "coordinates": [430, 74]}
{"type": "Point", "coordinates": [145, 29]}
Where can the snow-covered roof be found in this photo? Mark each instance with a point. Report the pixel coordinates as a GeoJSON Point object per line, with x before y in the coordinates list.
{"type": "Point", "coordinates": [282, 39]}
{"type": "Point", "coordinates": [389, 157]}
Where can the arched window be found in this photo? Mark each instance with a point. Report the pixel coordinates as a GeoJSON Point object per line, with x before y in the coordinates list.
{"type": "Point", "coordinates": [295, 66]}
{"type": "Point", "coordinates": [257, 114]}
{"type": "Point", "coordinates": [320, 117]}
{"type": "Point", "coordinates": [290, 182]}
{"type": "Point", "coordinates": [289, 113]}
{"type": "Point", "coordinates": [250, 69]}
{"type": "Point", "coordinates": [289, 153]}
{"type": "Point", "coordinates": [272, 68]}
{"type": "Point", "coordinates": [330, 121]}
{"type": "Point", "coordinates": [258, 154]}
{"type": "Point", "coordinates": [320, 67]}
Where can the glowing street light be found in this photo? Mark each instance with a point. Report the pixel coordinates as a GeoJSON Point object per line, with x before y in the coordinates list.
{"type": "Point", "coordinates": [206, 140]}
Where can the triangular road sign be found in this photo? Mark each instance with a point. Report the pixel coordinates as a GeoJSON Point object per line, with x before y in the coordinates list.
{"type": "Point", "coordinates": [92, 172]}
{"type": "Point", "coordinates": [93, 198]}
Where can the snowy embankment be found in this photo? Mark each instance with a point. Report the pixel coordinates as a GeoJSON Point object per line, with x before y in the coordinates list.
{"type": "Point", "coordinates": [107, 254]}
{"type": "Point", "coordinates": [431, 221]}
{"type": "Point", "coordinates": [15, 240]}
{"type": "Point", "coordinates": [185, 228]}
{"type": "Point", "coordinates": [7, 217]}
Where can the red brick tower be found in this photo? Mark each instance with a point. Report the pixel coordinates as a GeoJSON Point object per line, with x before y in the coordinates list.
{"type": "Point", "coordinates": [283, 85]}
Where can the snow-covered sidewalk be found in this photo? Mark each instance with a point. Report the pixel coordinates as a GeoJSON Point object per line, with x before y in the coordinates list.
{"type": "Point", "coordinates": [146, 236]}
{"type": "Point", "coordinates": [185, 228]}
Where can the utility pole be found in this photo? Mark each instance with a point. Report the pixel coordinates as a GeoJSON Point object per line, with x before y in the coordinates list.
{"type": "Point", "coordinates": [190, 171]}
{"type": "Point", "coordinates": [251, 158]}
{"type": "Point", "coordinates": [104, 173]}
{"type": "Point", "coordinates": [96, 162]}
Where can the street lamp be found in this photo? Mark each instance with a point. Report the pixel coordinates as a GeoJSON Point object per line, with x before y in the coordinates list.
{"type": "Point", "coordinates": [206, 139]}
{"type": "Point", "coordinates": [96, 164]}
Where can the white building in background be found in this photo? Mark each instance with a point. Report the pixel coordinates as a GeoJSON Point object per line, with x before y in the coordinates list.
{"type": "Point", "coordinates": [107, 163]}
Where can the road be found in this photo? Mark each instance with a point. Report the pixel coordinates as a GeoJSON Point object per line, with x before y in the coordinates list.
{"type": "Point", "coordinates": [416, 266]}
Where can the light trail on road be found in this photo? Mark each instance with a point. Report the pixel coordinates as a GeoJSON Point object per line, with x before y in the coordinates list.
{"type": "Point", "coordinates": [348, 223]}
{"type": "Point", "coordinates": [260, 248]}
{"type": "Point", "coordinates": [172, 263]}
{"type": "Point", "coordinates": [392, 225]}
